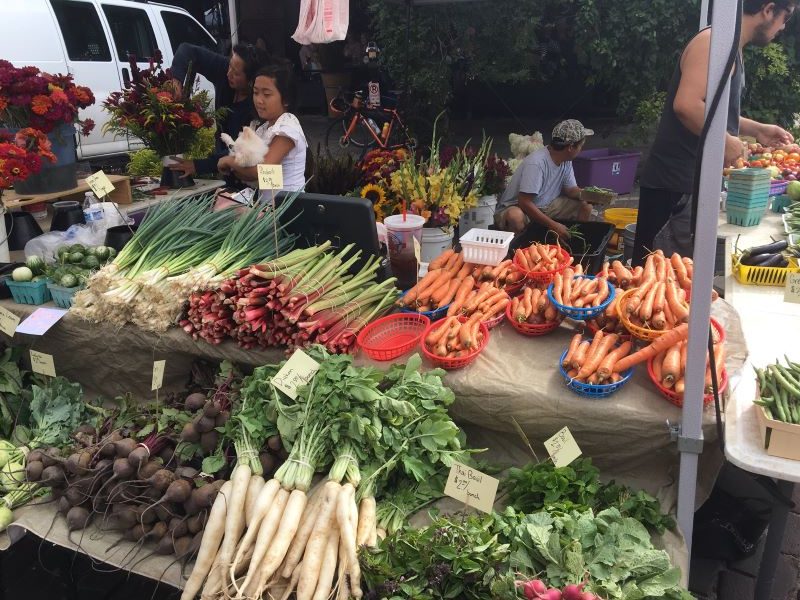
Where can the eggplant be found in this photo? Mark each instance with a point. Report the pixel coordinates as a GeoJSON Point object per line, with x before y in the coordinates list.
{"type": "Point", "coordinates": [772, 248]}
{"type": "Point", "coordinates": [776, 260]}
{"type": "Point", "coordinates": [756, 261]}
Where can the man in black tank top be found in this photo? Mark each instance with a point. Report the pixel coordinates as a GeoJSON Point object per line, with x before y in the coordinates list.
{"type": "Point", "coordinates": [666, 182]}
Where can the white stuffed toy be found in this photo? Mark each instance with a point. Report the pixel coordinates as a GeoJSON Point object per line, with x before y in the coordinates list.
{"type": "Point", "coordinates": [248, 150]}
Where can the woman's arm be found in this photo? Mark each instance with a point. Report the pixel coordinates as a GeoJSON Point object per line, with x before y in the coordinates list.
{"type": "Point", "coordinates": [278, 149]}
{"type": "Point", "coordinates": [210, 65]}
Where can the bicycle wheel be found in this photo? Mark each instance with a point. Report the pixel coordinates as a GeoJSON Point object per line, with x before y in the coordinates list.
{"type": "Point", "coordinates": [359, 138]}
{"type": "Point", "coordinates": [414, 134]}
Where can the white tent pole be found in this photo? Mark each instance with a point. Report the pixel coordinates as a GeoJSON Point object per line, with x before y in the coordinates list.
{"type": "Point", "coordinates": [703, 13]}
{"type": "Point", "coordinates": [690, 440]}
{"type": "Point", "coordinates": [234, 21]}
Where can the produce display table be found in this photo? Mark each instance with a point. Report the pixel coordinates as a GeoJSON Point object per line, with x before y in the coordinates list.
{"type": "Point", "coordinates": [767, 321]}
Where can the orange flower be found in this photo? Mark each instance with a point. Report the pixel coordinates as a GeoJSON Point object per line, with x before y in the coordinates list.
{"type": "Point", "coordinates": [195, 120]}
{"type": "Point", "coordinates": [164, 96]}
{"type": "Point", "coordinates": [3, 102]}
{"type": "Point", "coordinates": [57, 95]}
{"type": "Point", "coordinates": [41, 104]}
{"type": "Point", "coordinates": [81, 94]}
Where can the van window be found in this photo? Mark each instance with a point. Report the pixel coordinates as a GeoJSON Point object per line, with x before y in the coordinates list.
{"type": "Point", "coordinates": [82, 31]}
{"type": "Point", "coordinates": [182, 28]}
{"type": "Point", "coordinates": [132, 31]}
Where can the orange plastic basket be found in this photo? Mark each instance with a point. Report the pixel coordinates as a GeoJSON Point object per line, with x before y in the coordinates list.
{"type": "Point", "coordinates": [545, 276]}
{"type": "Point", "coordinates": [392, 336]}
{"type": "Point", "coordinates": [642, 333]}
{"type": "Point", "coordinates": [531, 329]}
{"type": "Point", "coordinates": [676, 398]}
{"type": "Point", "coordinates": [453, 363]}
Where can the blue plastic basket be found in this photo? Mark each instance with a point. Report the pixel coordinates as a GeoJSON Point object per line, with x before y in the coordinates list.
{"type": "Point", "coordinates": [29, 292]}
{"type": "Point", "coordinates": [587, 312]}
{"type": "Point", "coordinates": [433, 315]}
{"type": "Point", "coordinates": [62, 296]}
{"type": "Point", "coordinates": [587, 389]}
{"type": "Point", "coordinates": [780, 202]}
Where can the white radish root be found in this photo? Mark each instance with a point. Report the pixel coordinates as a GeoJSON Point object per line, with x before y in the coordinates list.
{"type": "Point", "coordinates": [266, 534]}
{"type": "Point", "coordinates": [312, 558]}
{"type": "Point", "coordinates": [328, 568]}
{"type": "Point", "coordinates": [292, 582]}
{"type": "Point", "coordinates": [253, 489]}
{"type": "Point", "coordinates": [298, 545]}
{"type": "Point", "coordinates": [262, 506]}
{"type": "Point", "coordinates": [347, 518]}
{"type": "Point", "coordinates": [366, 522]}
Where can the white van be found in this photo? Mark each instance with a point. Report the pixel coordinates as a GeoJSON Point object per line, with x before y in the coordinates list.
{"type": "Point", "coordinates": [91, 39]}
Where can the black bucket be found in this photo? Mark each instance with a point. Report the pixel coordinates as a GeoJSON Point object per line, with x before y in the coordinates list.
{"type": "Point", "coordinates": [117, 237]}
{"type": "Point", "coordinates": [21, 228]}
{"type": "Point", "coordinates": [66, 213]}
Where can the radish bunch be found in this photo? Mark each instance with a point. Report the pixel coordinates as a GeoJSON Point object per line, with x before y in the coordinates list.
{"type": "Point", "coordinates": [536, 589]}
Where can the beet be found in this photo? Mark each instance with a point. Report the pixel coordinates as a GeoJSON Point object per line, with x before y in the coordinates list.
{"type": "Point", "coordinates": [178, 527]}
{"type": "Point", "coordinates": [127, 516]}
{"type": "Point", "coordinates": [268, 463]}
{"type": "Point", "coordinates": [53, 476]}
{"type": "Point", "coordinates": [196, 523]}
{"type": "Point", "coordinates": [195, 402]}
{"type": "Point", "coordinates": [75, 496]}
{"type": "Point", "coordinates": [187, 473]}
{"type": "Point", "coordinates": [178, 491]}
{"type": "Point", "coordinates": [164, 545]}
{"type": "Point", "coordinates": [161, 479]}
{"type": "Point", "coordinates": [211, 410]}
{"type": "Point", "coordinates": [167, 454]}
{"type": "Point", "coordinates": [148, 469]}
{"type": "Point", "coordinates": [123, 469]}
{"type": "Point", "coordinates": [138, 531]}
{"type": "Point", "coordinates": [182, 545]}
{"type": "Point", "coordinates": [78, 518]}
{"type": "Point", "coordinates": [139, 456]}
{"type": "Point", "coordinates": [108, 450]}
{"type": "Point", "coordinates": [222, 418]}
{"type": "Point", "coordinates": [274, 443]}
{"type": "Point", "coordinates": [33, 470]}
{"type": "Point", "coordinates": [143, 515]}
{"type": "Point", "coordinates": [158, 531]}
{"type": "Point", "coordinates": [124, 447]}
{"type": "Point", "coordinates": [204, 424]}
{"type": "Point", "coordinates": [35, 456]}
{"type": "Point", "coordinates": [87, 429]}
{"type": "Point", "coordinates": [165, 511]}
{"type": "Point", "coordinates": [209, 441]}
{"type": "Point", "coordinates": [190, 507]}
{"type": "Point", "coordinates": [190, 434]}
{"type": "Point", "coordinates": [205, 495]}
{"type": "Point", "coordinates": [63, 505]}
{"type": "Point", "coordinates": [78, 462]}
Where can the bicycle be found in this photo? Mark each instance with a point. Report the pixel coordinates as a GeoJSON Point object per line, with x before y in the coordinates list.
{"type": "Point", "coordinates": [367, 127]}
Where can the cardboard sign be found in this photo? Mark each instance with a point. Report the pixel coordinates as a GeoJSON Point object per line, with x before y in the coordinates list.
{"type": "Point", "coordinates": [8, 322]}
{"type": "Point", "coordinates": [297, 371]}
{"type": "Point", "coordinates": [562, 448]}
{"type": "Point", "coordinates": [158, 374]}
{"type": "Point", "coordinates": [42, 363]}
{"type": "Point", "coordinates": [100, 184]}
{"type": "Point", "coordinates": [471, 487]}
{"type": "Point", "coordinates": [792, 291]}
{"type": "Point", "coordinates": [270, 177]}
{"type": "Point", "coordinates": [417, 249]}
{"type": "Point", "coordinates": [40, 321]}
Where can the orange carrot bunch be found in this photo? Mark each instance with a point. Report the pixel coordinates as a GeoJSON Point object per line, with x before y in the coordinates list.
{"type": "Point", "coordinates": [669, 366]}
{"type": "Point", "coordinates": [609, 321]}
{"type": "Point", "coordinates": [579, 292]}
{"type": "Point", "coordinates": [486, 302]}
{"type": "Point", "coordinates": [594, 362]}
{"type": "Point", "coordinates": [502, 276]}
{"type": "Point", "coordinates": [533, 307]}
{"type": "Point", "coordinates": [620, 275]}
{"type": "Point", "coordinates": [454, 338]}
{"type": "Point", "coordinates": [539, 258]}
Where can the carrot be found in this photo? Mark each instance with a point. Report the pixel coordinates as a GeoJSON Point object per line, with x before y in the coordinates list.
{"type": "Point", "coordinates": [573, 346]}
{"type": "Point", "coordinates": [496, 308]}
{"type": "Point", "coordinates": [658, 361]}
{"type": "Point", "coordinates": [533, 253]}
{"type": "Point", "coordinates": [689, 263]}
{"type": "Point", "coordinates": [680, 386]}
{"type": "Point", "coordinates": [580, 354]}
{"type": "Point", "coordinates": [658, 320]}
{"type": "Point", "coordinates": [522, 259]}
{"type": "Point", "coordinates": [426, 285]}
{"type": "Point", "coordinates": [464, 271]}
{"type": "Point", "coordinates": [679, 311]}
{"type": "Point", "coordinates": [636, 276]}
{"type": "Point", "coordinates": [598, 337]}
{"type": "Point", "coordinates": [444, 294]}
{"type": "Point", "coordinates": [646, 309]}
{"type": "Point", "coordinates": [550, 313]}
{"type": "Point", "coordinates": [436, 334]}
{"type": "Point", "coordinates": [621, 274]}
{"type": "Point", "coordinates": [604, 272]}
{"type": "Point", "coordinates": [558, 286]}
{"type": "Point", "coordinates": [602, 290]}
{"type": "Point", "coordinates": [661, 268]}
{"type": "Point", "coordinates": [464, 289]}
{"type": "Point", "coordinates": [540, 301]}
{"type": "Point", "coordinates": [596, 357]}
{"type": "Point", "coordinates": [658, 298]}
{"type": "Point", "coordinates": [494, 297]}
{"type": "Point", "coordinates": [670, 338]}
{"type": "Point", "coordinates": [517, 311]}
{"type": "Point", "coordinates": [671, 368]}
{"type": "Point", "coordinates": [611, 309]}
{"type": "Point", "coordinates": [669, 318]}
{"type": "Point", "coordinates": [441, 260]}
{"type": "Point", "coordinates": [719, 360]}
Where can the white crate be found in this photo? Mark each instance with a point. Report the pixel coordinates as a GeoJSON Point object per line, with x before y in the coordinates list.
{"type": "Point", "coordinates": [485, 247]}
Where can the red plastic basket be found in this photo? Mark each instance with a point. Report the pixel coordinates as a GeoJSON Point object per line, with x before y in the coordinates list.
{"type": "Point", "coordinates": [453, 363]}
{"type": "Point", "coordinates": [530, 329]}
{"type": "Point", "coordinates": [392, 336]}
{"type": "Point", "coordinates": [495, 321]}
{"type": "Point", "coordinates": [676, 398]}
{"type": "Point", "coordinates": [545, 276]}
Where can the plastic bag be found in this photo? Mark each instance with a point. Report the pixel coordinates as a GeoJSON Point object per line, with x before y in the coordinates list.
{"type": "Point", "coordinates": [322, 21]}
{"type": "Point", "coordinates": [46, 244]}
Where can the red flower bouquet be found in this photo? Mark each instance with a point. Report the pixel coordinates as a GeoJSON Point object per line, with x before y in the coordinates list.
{"type": "Point", "coordinates": [31, 98]}
{"type": "Point", "coordinates": [150, 109]}
{"type": "Point", "coordinates": [21, 155]}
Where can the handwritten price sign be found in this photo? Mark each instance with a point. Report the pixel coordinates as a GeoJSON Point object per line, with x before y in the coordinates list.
{"type": "Point", "coordinates": [158, 374]}
{"type": "Point", "coordinates": [42, 363]}
{"type": "Point", "coordinates": [562, 448]}
{"type": "Point", "coordinates": [471, 487]}
{"type": "Point", "coordinates": [792, 291]}
{"type": "Point", "coordinates": [8, 322]}
{"type": "Point", "coordinates": [270, 177]}
{"type": "Point", "coordinates": [100, 184]}
{"type": "Point", "coordinates": [297, 371]}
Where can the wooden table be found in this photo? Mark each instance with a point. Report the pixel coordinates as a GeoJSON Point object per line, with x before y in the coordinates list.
{"type": "Point", "coordinates": [121, 195]}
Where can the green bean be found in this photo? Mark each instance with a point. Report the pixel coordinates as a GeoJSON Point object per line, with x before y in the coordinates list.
{"type": "Point", "coordinates": [785, 380]}
{"type": "Point", "coordinates": [778, 402]}
{"type": "Point", "coordinates": [764, 401]}
{"type": "Point", "coordinates": [761, 379]}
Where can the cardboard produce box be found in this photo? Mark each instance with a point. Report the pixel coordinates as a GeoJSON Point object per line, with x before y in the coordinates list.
{"type": "Point", "coordinates": [779, 438]}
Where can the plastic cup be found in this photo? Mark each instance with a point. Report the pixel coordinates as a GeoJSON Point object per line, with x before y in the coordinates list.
{"type": "Point", "coordinates": [400, 236]}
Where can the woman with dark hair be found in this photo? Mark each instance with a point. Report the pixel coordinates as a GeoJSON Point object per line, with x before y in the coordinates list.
{"type": "Point", "coordinates": [233, 85]}
{"type": "Point", "coordinates": [274, 98]}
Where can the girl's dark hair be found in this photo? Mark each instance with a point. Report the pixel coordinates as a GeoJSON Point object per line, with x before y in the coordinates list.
{"type": "Point", "coordinates": [283, 74]}
{"type": "Point", "coordinates": [254, 58]}
{"type": "Point", "coordinates": [752, 7]}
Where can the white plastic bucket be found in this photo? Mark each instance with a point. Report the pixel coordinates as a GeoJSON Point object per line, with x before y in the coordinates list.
{"type": "Point", "coordinates": [480, 217]}
{"type": "Point", "coordinates": [435, 240]}
{"type": "Point", "coordinates": [628, 237]}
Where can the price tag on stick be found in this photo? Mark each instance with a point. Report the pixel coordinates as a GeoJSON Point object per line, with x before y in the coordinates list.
{"type": "Point", "coordinates": [270, 177]}
{"type": "Point", "coordinates": [562, 448]}
{"type": "Point", "coordinates": [298, 370]}
{"type": "Point", "coordinates": [417, 253]}
{"type": "Point", "coordinates": [8, 322]}
{"type": "Point", "coordinates": [158, 374]}
{"type": "Point", "coordinates": [100, 183]}
{"type": "Point", "coordinates": [43, 363]}
{"type": "Point", "coordinates": [792, 291]}
{"type": "Point", "coordinates": [471, 487]}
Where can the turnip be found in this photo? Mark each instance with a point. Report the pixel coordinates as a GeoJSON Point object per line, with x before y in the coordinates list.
{"type": "Point", "coordinates": [195, 402]}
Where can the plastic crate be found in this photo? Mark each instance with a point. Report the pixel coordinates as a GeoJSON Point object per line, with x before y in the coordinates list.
{"type": "Point", "coordinates": [589, 390]}
{"type": "Point", "coordinates": [747, 203]}
{"type": "Point", "coordinates": [780, 202]}
{"type": "Point", "coordinates": [607, 168]}
{"type": "Point", "coordinates": [484, 246]}
{"type": "Point", "coordinates": [778, 187]}
{"type": "Point", "coordinates": [392, 336]}
{"type": "Point", "coordinates": [775, 276]}
{"type": "Point", "coordinates": [744, 217]}
{"type": "Point", "coordinates": [62, 296]}
{"type": "Point", "coordinates": [590, 253]}
{"type": "Point", "coordinates": [29, 292]}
